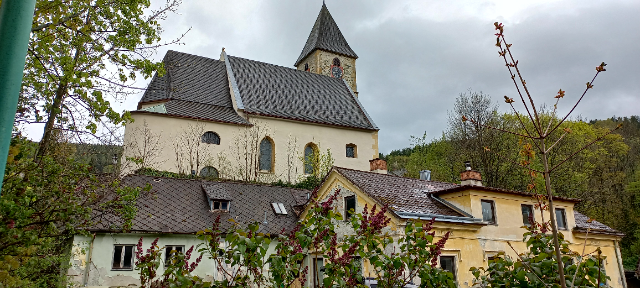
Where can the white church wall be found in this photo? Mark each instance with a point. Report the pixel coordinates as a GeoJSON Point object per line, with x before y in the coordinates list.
{"type": "Point", "coordinates": [168, 139]}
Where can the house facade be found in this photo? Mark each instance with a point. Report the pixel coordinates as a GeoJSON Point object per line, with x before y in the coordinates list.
{"type": "Point", "coordinates": [482, 221]}
{"type": "Point", "coordinates": [247, 120]}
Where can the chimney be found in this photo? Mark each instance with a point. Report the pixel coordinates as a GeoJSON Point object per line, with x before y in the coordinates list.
{"type": "Point", "coordinates": [378, 166]}
{"type": "Point", "coordinates": [470, 177]}
{"type": "Point", "coordinates": [425, 175]}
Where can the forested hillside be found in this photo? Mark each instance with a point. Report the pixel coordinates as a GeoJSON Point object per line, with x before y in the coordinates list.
{"type": "Point", "coordinates": [606, 175]}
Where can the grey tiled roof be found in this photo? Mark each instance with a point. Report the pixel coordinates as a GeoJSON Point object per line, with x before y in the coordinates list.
{"type": "Point", "coordinates": [326, 35]}
{"type": "Point", "coordinates": [596, 227]}
{"type": "Point", "coordinates": [401, 194]}
{"type": "Point", "coordinates": [282, 92]}
{"type": "Point", "coordinates": [195, 86]}
{"type": "Point", "coordinates": [181, 205]}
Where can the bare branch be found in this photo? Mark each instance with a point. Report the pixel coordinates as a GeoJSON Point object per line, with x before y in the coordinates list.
{"type": "Point", "coordinates": [574, 106]}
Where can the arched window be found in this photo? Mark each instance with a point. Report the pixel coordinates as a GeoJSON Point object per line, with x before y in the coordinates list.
{"type": "Point", "coordinates": [211, 137]}
{"type": "Point", "coordinates": [351, 150]}
{"type": "Point", "coordinates": [265, 162]}
{"type": "Point", "coordinates": [336, 62]}
{"type": "Point", "coordinates": [306, 66]}
{"type": "Point", "coordinates": [209, 172]}
{"type": "Point", "coordinates": [310, 158]}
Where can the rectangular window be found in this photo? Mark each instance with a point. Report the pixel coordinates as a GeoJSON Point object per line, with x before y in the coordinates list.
{"type": "Point", "coordinates": [561, 218]}
{"type": "Point", "coordinates": [219, 205]}
{"type": "Point", "coordinates": [170, 250]}
{"type": "Point", "coordinates": [448, 263]}
{"type": "Point", "coordinates": [318, 271]}
{"type": "Point", "coordinates": [488, 211]}
{"type": "Point", "coordinates": [349, 205]}
{"type": "Point", "coordinates": [351, 151]}
{"type": "Point", "coordinates": [122, 257]}
{"type": "Point", "coordinates": [527, 214]}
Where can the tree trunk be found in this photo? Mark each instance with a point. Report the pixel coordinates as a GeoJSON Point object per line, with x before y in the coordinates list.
{"type": "Point", "coordinates": [53, 115]}
{"type": "Point", "coordinates": [552, 216]}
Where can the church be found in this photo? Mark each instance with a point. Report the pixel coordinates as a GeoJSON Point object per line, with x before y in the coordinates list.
{"type": "Point", "coordinates": [242, 119]}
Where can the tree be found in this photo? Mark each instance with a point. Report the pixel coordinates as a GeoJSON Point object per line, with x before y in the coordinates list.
{"type": "Point", "coordinates": [538, 136]}
{"type": "Point", "coordinates": [80, 54]}
{"type": "Point", "coordinates": [44, 204]}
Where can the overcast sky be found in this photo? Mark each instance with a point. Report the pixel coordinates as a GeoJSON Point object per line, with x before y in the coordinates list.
{"type": "Point", "coordinates": [416, 57]}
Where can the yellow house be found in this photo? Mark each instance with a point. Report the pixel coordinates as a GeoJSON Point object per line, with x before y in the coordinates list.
{"type": "Point", "coordinates": [482, 220]}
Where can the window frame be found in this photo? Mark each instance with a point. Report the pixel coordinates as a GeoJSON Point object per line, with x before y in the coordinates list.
{"type": "Point", "coordinates": [493, 211]}
{"type": "Point", "coordinates": [316, 270]}
{"type": "Point", "coordinates": [122, 253]}
{"type": "Point", "coordinates": [210, 167]}
{"type": "Point", "coordinates": [202, 138]}
{"type": "Point", "coordinates": [564, 218]}
{"type": "Point", "coordinates": [355, 150]}
{"type": "Point", "coordinates": [168, 255]}
{"type": "Point", "coordinates": [272, 157]}
{"type": "Point", "coordinates": [533, 215]}
{"type": "Point", "coordinates": [347, 214]}
{"type": "Point", "coordinates": [453, 263]}
{"type": "Point", "coordinates": [220, 201]}
{"type": "Point", "coordinates": [315, 152]}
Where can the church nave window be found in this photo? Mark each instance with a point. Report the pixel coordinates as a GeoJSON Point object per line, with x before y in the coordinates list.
{"type": "Point", "coordinates": [266, 155]}
{"type": "Point", "coordinates": [310, 158]}
{"type": "Point", "coordinates": [211, 137]}
{"type": "Point", "coordinates": [351, 151]}
{"type": "Point", "coordinates": [209, 172]}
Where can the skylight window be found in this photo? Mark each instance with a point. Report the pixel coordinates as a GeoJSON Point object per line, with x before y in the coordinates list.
{"type": "Point", "coordinates": [279, 208]}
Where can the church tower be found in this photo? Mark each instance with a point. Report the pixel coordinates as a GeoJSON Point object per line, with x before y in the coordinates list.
{"type": "Point", "coordinates": [327, 52]}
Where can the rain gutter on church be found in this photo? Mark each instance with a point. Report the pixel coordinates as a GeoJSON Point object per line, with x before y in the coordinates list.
{"type": "Point", "coordinates": [16, 18]}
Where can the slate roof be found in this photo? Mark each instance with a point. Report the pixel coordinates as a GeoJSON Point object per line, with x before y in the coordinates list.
{"type": "Point", "coordinates": [326, 35]}
{"type": "Point", "coordinates": [195, 87]}
{"type": "Point", "coordinates": [181, 205]}
{"type": "Point", "coordinates": [401, 194]}
{"type": "Point", "coordinates": [198, 87]}
{"type": "Point", "coordinates": [596, 227]}
{"type": "Point", "coordinates": [281, 92]}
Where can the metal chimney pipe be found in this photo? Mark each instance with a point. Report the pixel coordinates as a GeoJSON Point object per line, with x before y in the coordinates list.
{"type": "Point", "coordinates": [425, 175]}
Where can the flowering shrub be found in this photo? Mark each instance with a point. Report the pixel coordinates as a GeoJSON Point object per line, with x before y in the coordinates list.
{"type": "Point", "coordinates": [242, 258]}
{"type": "Point", "coordinates": [177, 271]}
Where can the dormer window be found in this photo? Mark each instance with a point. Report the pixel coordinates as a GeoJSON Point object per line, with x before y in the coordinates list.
{"type": "Point", "coordinates": [219, 205]}
{"type": "Point", "coordinates": [279, 209]}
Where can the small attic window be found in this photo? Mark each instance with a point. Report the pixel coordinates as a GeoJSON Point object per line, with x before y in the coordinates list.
{"type": "Point", "coordinates": [219, 205]}
{"type": "Point", "coordinates": [279, 209]}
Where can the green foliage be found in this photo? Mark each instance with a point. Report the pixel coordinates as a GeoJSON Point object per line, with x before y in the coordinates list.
{"type": "Point", "coordinates": [177, 271]}
{"type": "Point", "coordinates": [538, 266]}
{"type": "Point", "coordinates": [43, 205]}
{"type": "Point", "coordinates": [241, 253]}
{"type": "Point", "coordinates": [82, 53]}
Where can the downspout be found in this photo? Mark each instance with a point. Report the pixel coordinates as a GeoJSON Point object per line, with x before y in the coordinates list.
{"type": "Point", "coordinates": [620, 267]}
{"type": "Point", "coordinates": [85, 279]}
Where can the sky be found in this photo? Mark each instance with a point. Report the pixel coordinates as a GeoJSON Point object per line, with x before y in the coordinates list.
{"type": "Point", "coordinates": [416, 57]}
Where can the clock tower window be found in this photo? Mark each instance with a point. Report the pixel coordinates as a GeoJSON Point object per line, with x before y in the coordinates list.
{"type": "Point", "coordinates": [336, 62]}
{"type": "Point", "coordinates": [336, 70]}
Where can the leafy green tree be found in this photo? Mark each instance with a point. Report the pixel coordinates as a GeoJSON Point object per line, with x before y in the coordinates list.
{"type": "Point", "coordinates": [44, 204]}
{"type": "Point", "coordinates": [80, 54]}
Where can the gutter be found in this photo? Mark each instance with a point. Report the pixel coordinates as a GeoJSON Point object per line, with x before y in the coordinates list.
{"type": "Point", "coordinates": [620, 267]}
{"type": "Point", "coordinates": [442, 218]}
{"type": "Point", "coordinates": [85, 278]}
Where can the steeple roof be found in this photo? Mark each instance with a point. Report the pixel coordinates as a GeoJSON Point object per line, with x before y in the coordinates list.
{"type": "Point", "coordinates": [326, 35]}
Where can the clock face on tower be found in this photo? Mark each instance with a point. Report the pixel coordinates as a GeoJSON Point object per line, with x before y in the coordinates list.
{"type": "Point", "coordinates": [336, 71]}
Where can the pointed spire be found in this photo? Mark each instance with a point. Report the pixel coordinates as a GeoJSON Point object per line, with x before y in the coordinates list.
{"type": "Point", "coordinates": [326, 35]}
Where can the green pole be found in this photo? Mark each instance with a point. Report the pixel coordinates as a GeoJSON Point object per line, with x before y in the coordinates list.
{"type": "Point", "coordinates": [16, 17]}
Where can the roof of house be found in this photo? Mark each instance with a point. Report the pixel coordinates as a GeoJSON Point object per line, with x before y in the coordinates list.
{"type": "Point", "coordinates": [182, 205]}
{"type": "Point", "coordinates": [281, 92]}
{"type": "Point", "coordinates": [409, 195]}
{"type": "Point", "coordinates": [401, 194]}
{"type": "Point", "coordinates": [198, 87]}
{"type": "Point", "coordinates": [325, 35]}
{"type": "Point", "coordinates": [582, 224]}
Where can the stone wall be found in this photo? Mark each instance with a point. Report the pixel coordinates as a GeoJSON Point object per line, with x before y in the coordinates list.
{"type": "Point", "coordinates": [320, 63]}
